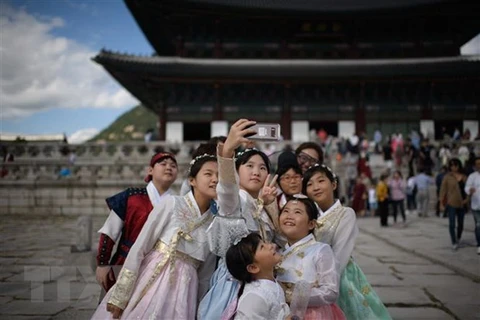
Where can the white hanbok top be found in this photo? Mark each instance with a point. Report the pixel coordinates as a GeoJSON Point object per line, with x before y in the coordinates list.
{"type": "Point", "coordinates": [262, 300]}
{"type": "Point", "coordinates": [113, 226]}
{"type": "Point", "coordinates": [238, 212]}
{"type": "Point", "coordinates": [313, 262]}
{"type": "Point", "coordinates": [338, 227]}
{"type": "Point", "coordinates": [177, 223]}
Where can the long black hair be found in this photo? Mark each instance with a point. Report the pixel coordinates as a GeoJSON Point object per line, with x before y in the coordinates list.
{"type": "Point", "coordinates": [239, 256]}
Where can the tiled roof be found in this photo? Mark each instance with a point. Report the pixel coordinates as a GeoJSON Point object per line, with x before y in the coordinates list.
{"type": "Point", "coordinates": [459, 66]}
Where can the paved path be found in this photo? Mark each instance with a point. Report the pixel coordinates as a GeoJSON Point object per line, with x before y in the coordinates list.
{"type": "Point", "coordinates": [415, 271]}
{"type": "Point", "coordinates": [411, 267]}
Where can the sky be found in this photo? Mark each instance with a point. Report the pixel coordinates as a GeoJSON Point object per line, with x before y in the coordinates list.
{"type": "Point", "coordinates": [48, 83]}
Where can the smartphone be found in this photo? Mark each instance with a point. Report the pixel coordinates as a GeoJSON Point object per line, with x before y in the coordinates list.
{"type": "Point", "coordinates": [265, 132]}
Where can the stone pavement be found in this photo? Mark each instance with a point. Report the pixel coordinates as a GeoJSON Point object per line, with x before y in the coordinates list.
{"type": "Point", "coordinates": [415, 271]}
{"type": "Point", "coordinates": [412, 268]}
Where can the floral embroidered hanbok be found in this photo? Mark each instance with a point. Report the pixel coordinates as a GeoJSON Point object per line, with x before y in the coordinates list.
{"type": "Point", "coordinates": [159, 279]}
{"type": "Point", "coordinates": [237, 208]}
{"type": "Point", "coordinates": [338, 227]}
{"type": "Point", "coordinates": [313, 262]}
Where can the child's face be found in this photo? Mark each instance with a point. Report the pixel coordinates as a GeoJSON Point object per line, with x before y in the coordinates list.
{"type": "Point", "coordinates": [253, 174]}
{"type": "Point", "coordinates": [205, 182]}
{"type": "Point", "coordinates": [320, 189]}
{"type": "Point", "coordinates": [164, 171]}
{"type": "Point", "coordinates": [291, 182]}
{"type": "Point", "coordinates": [295, 222]}
{"type": "Point", "coordinates": [266, 256]}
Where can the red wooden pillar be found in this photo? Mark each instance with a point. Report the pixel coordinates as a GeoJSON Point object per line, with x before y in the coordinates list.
{"type": "Point", "coordinates": [360, 116]}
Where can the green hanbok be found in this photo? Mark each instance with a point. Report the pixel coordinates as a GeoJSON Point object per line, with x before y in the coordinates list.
{"type": "Point", "coordinates": [358, 301]}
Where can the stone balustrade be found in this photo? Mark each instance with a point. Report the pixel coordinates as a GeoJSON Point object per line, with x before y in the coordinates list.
{"type": "Point", "coordinates": [38, 151]}
{"type": "Point", "coordinates": [91, 150]}
{"type": "Point", "coordinates": [82, 172]}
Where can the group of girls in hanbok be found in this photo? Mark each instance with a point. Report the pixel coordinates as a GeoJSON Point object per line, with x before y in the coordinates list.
{"type": "Point", "coordinates": [263, 253]}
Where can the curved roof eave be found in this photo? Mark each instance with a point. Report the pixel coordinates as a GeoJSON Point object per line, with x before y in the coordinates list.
{"type": "Point", "coordinates": [251, 68]}
{"type": "Point", "coordinates": [317, 5]}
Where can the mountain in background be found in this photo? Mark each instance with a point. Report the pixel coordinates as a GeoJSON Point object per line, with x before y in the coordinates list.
{"type": "Point", "coordinates": [130, 126]}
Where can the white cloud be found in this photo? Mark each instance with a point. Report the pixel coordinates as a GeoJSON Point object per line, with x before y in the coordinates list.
{"type": "Point", "coordinates": [472, 46]}
{"type": "Point", "coordinates": [41, 71]}
{"type": "Point", "coordinates": [82, 135]}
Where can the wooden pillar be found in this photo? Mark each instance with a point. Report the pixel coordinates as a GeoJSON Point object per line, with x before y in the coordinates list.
{"type": "Point", "coordinates": [360, 116]}
{"type": "Point", "coordinates": [476, 89]}
{"type": "Point", "coordinates": [283, 50]}
{"type": "Point", "coordinates": [162, 120]}
{"type": "Point", "coordinates": [286, 122]}
{"type": "Point", "coordinates": [427, 110]}
{"type": "Point", "coordinates": [218, 107]}
{"type": "Point", "coordinates": [179, 46]}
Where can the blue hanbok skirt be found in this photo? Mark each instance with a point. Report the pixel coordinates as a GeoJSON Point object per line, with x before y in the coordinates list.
{"type": "Point", "coordinates": [223, 290]}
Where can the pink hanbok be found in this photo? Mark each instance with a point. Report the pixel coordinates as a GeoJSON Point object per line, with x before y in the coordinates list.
{"type": "Point", "coordinates": [159, 279]}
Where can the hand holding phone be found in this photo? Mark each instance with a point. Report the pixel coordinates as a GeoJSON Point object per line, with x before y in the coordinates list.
{"type": "Point", "coordinates": [265, 132]}
{"type": "Point", "coordinates": [236, 136]}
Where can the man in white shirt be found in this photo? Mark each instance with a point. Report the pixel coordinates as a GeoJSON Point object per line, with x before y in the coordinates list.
{"type": "Point", "coordinates": [472, 188]}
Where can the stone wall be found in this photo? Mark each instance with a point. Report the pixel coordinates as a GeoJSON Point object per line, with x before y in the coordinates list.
{"type": "Point", "coordinates": [67, 197]}
{"type": "Point", "coordinates": [43, 180]}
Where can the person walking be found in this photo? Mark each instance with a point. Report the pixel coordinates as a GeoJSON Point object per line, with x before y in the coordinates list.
{"type": "Point", "coordinates": [423, 182]}
{"type": "Point", "coordinates": [452, 199]}
{"type": "Point", "coordinates": [382, 197]}
{"type": "Point", "coordinates": [472, 188]}
{"type": "Point", "coordinates": [398, 187]}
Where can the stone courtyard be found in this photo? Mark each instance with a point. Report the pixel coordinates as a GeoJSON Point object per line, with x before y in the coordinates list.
{"type": "Point", "coordinates": [412, 268]}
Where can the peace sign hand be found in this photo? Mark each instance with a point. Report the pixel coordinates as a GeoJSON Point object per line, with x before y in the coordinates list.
{"type": "Point", "coordinates": [269, 190]}
{"type": "Point", "coordinates": [236, 136]}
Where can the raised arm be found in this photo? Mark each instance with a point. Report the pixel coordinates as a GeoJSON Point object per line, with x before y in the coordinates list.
{"type": "Point", "coordinates": [227, 188]}
{"type": "Point", "coordinates": [228, 181]}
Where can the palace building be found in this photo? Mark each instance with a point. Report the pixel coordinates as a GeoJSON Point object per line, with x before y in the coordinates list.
{"type": "Point", "coordinates": [345, 66]}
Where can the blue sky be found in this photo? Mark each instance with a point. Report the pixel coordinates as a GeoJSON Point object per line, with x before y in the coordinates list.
{"type": "Point", "coordinates": [48, 84]}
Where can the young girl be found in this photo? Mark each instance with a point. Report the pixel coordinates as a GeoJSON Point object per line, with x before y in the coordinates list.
{"type": "Point", "coordinates": [337, 227]}
{"type": "Point", "coordinates": [252, 262]}
{"type": "Point", "coordinates": [159, 278]}
{"type": "Point", "coordinates": [243, 191]}
{"type": "Point", "coordinates": [306, 259]}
